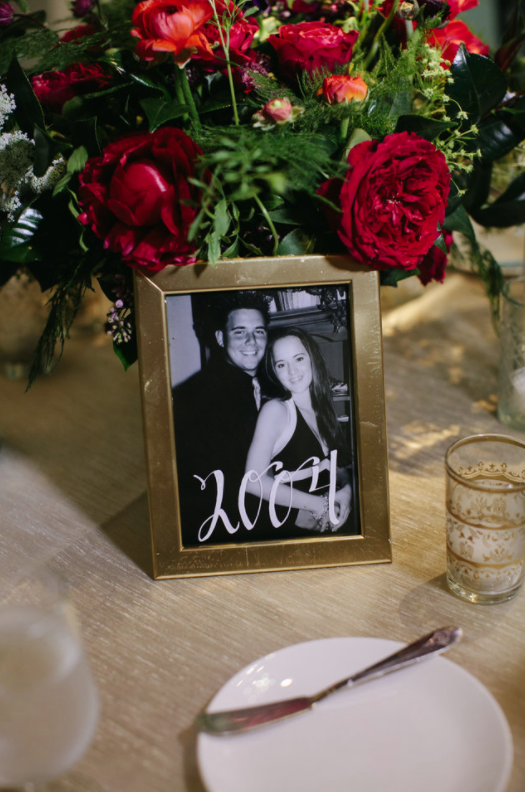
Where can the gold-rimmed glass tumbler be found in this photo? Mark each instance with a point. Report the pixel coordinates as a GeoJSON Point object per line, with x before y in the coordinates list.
{"type": "Point", "coordinates": [485, 505]}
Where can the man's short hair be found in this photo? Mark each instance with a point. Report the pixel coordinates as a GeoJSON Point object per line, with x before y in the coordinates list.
{"type": "Point", "coordinates": [236, 301]}
{"type": "Point", "coordinates": [211, 311]}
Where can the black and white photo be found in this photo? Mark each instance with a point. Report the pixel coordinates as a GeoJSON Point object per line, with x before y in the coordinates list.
{"type": "Point", "coordinates": [263, 414]}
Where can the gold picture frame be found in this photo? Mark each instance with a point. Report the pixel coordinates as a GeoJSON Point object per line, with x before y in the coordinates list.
{"type": "Point", "coordinates": [341, 291]}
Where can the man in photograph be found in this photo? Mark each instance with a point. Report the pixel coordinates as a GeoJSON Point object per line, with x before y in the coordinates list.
{"type": "Point", "coordinates": [215, 414]}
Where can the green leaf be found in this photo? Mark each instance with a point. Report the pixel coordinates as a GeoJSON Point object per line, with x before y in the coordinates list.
{"type": "Point", "coordinates": [401, 104]}
{"type": "Point", "coordinates": [251, 248]}
{"type": "Point", "coordinates": [61, 184]}
{"type": "Point", "coordinates": [233, 250]}
{"type": "Point", "coordinates": [28, 111]}
{"type": "Point", "coordinates": [77, 160]}
{"type": "Point", "coordinates": [460, 221]}
{"type": "Point", "coordinates": [496, 138]}
{"type": "Point", "coordinates": [284, 216]}
{"type": "Point", "coordinates": [43, 152]}
{"type": "Point", "coordinates": [23, 6]}
{"type": "Point", "coordinates": [214, 248]}
{"type": "Point", "coordinates": [147, 82]}
{"type": "Point", "coordinates": [273, 201]}
{"type": "Point", "coordinates": [427, 128]}
{"type": "Point", "coordinates": [392, 277]}
{"type": "Point", "coordinates": [221, 218]}
{"type": "Point", "coordinates": [440, 244]}
{"type": "Point", "coordinates": [478, 185]}
{"type": "Point", "coordinates": [215, 104]}
{"type": "Point", "coordinates": [508, 210]}
{"type": "Point", "coordinates": [15, 244]}
{"type": "Point", "coordinates": [159, 112]}
{"type": "Point", "coordinates": [126, 353]}
{"type": "Point", "coordinates": [295, 243]}
{"type": "Point", "coordinates": [478, 84]}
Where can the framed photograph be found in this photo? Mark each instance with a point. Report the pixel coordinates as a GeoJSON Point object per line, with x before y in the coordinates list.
{"type": "Point", "coordinates": [263, 412]}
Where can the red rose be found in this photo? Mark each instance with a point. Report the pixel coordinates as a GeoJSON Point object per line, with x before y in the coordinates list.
{"type": "Point", "coordinates": [393, 198]}
{"type": "Point", "coordinates": [311, 46]}
{"type": "Point", "coordinates": [79, 32]}
{"type": "Point", "coordinates": [172, 26]}
{"type": "Point", "coordinates": [339, 88]}
{"type": "Point", "coordinates": [54, 88]}
{"type": "Point", "coordinates": [451, 36]}
{"type": "Point", "coordinates": [433, 265]}
{"type": "Point", "coordinates": [241, 37]}
{"type": "Point", "coordinates": [137, 198]}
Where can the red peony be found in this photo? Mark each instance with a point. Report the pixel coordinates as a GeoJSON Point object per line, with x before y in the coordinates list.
{"type": "Point", "coordinates": [172, 26]}
{"type": "Point", "coordinates": [433, 265]}
{"type": "Point", "coordinates": [137, 198]}
{"type": "Point", "coordinates": [451, 36]}
{"type": "Point", "coordinates": [54, 88]}
{"type": "Point", "coordinates": [311, 46]}
{"type": "Point", "coordinates": [339, 88]}
{"type": "Point", "coordinates": [393, 199]}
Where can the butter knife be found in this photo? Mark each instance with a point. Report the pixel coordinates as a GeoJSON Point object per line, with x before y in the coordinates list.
{"type": "Point", "coordinates": [230, 721]}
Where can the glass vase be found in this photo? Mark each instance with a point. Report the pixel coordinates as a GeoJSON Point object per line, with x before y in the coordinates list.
{"type": "Point", "coordinates": [511, 385]}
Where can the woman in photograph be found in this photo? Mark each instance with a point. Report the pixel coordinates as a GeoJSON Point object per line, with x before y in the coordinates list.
{"type": "Point", "coordinates": [292, 455]}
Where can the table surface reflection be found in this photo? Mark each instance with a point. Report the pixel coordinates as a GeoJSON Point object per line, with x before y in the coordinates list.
{"type": "Point", "coordinates": [73, 494]}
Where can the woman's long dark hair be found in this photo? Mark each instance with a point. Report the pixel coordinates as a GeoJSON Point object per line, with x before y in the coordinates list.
{"type": "Point", "coordinates": [320, 392]}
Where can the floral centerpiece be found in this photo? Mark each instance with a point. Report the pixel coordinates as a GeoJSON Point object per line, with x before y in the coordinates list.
{"type": "Point", "coordinates": [167, 132]}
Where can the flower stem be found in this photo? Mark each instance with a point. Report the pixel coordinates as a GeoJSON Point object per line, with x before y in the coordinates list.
{"type": "Point", "coordinates": [188, 97]}
{"type": "Point", "coordinates": [268, 219]}
{"type": "Point", "coordinates": [344, 127]}
{"type": "Point", "coordinates": [226, 48]}
{"type": "Point", "coordinates": [375, 42]}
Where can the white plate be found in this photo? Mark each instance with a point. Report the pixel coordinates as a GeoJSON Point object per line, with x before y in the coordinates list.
{"type": "Point", "coordinates": [430, 727]}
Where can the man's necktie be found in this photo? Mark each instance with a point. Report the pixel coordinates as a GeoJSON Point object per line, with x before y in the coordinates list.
{"type": "Point", "coordinates": [257, 392]}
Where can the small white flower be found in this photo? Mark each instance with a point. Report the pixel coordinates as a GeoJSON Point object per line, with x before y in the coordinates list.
{"type": "Point", "coordinates": [7, 105]}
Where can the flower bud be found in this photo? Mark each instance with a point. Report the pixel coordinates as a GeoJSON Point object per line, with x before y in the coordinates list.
{"type": "Point", "coordinates": [7, 14]}
{"type": "Point", "coordinates": [407, 9]}
{"type": "Point", "coordinates": [81, 8]}
{"type": "Point", "coordinates": [276, 112]}
{"type": "Point", "coordinates": [339, 88]}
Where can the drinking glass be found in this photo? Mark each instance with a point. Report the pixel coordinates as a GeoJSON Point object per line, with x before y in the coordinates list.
{"type": "Point", "coordinates": [485, 499]}
{"type": "Point", "coordinates": [48, 698]}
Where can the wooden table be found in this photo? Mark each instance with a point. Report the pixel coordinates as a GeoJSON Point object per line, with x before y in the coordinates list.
{"type": "Point", "coordinates": [72, 489]}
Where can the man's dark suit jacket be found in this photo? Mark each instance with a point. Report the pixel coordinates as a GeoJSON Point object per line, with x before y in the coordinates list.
{"type": "Point", "coordinates": [215, 415]}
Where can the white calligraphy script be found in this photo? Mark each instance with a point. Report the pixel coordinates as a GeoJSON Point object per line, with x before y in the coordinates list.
{"type": "Point", "coordinates": [312, 465]}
